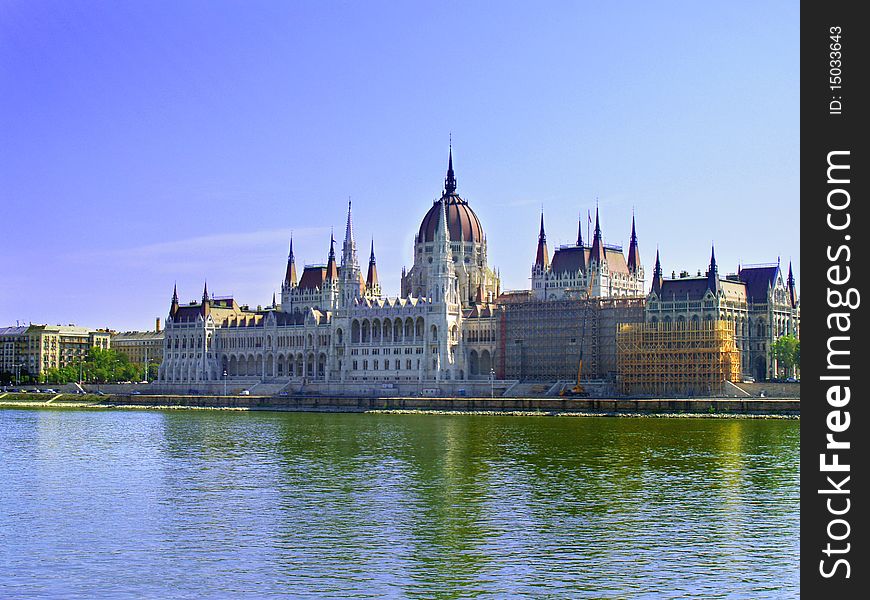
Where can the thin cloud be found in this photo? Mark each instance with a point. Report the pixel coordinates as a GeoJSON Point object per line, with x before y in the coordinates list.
{"type": "Point", "coordinates": [221, 244]}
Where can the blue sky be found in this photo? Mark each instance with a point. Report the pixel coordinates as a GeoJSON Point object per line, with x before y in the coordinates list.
{"type": "Point", "coordinates": [148, 143]}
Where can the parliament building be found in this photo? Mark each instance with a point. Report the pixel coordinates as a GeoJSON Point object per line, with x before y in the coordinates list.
{"type": "Point", "coordinates": [452, 322]}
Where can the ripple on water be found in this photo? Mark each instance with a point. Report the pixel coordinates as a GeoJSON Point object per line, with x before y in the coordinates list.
{"type": "Point", "coordinates": [186, 504]}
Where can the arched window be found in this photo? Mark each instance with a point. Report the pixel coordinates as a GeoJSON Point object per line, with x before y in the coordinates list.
{"type": "Point", "coordinates": [354, 332]}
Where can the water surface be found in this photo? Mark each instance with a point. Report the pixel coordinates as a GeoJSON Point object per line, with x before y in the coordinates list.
{"type": "Point", "coordinates": [193, 504]}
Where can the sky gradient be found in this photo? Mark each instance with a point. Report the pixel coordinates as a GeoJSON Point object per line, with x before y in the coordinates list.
{"type": "Point", "coordinates": [148, 143]}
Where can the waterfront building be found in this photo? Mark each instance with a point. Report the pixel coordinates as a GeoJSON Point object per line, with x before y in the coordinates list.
{"type": "Point", "coordinates": [141, 347]}
{"type": "Point", "coordinates": [477, 282]}
{"type": "Point", "coordinates": [694, 358]}
{"type": "Point", "coordinates": [332, 324]}
{"type": "Point", "coordinates": [544, 340]}
{"type": "Point", "coordinates": [13, 341]}
{"type": "Point", "coordinates": [36, 348]}
{"type": "Point", "coordinates": [598, 270]}
{"type": "Point", "coordinates": [759, 302]}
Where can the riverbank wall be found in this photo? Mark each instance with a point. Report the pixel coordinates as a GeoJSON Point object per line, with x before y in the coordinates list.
{"type": "Point", "coordinates": [547, 405]}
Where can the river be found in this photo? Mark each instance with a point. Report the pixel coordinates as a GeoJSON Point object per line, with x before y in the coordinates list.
{"type": "Point", "coordinates": [193, 503]}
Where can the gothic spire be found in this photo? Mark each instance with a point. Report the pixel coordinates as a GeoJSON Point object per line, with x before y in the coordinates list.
{"type": "Point", "coordinates": [331, 268]}
{"type": "Point", "coordinates": [349, 262]}
{"type": "Point", "coordinates": [173, 307]}
{"type": "Point", "coordinates": [713, 272]}
{"type": "Point", "coordinates": [542, 258]}
{"type": "Point", "coordinates": [792, 292]}
{"type": "Point", "coordinates": [450, 181]}
{"type": "Point", "coordinates": [580, 231]}
{"type": "Point", "coordinates": [290, 275]}
{"type": "Point", "coordinates": [657, 275]}
{"type": "Point", "coordinates": [348, 232]}
{"type": "Point", "coordinates": [372, 276]}
{"type": "Point", "coordinates": [205, 292]}
{"type": "Point", "coordinates": [596, 253]}
{"type": "Point", "coordinates": [633, 251]}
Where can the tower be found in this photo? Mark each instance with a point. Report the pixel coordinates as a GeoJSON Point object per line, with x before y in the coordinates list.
{"type": "Point", "coordinates": [542, 257]}
{"type": "Point", "coordinates": [792, 292]}
{"type": "Point", "coordinates": [173, 307]}
{"type": "Point", "coordinates": [349, 287]}
{"type": "Point", "coordinates": [290, 281]}
{"type": "Point", "coordinates": [597, 270]}
{"type": "Point", "coordinates": [442, 276]}
{"type": "Point", "coordinates": [657, 276]}
{"type": "Point", "coordinates": [713, 273]}
{"type": "Point", "coordinates": [373, 287]}
{"type": "Point", "coordinates": [633, 251]}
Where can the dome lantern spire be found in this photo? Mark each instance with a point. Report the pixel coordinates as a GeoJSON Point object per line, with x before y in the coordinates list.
{"type": "Point", "coordinates": [450, 181]}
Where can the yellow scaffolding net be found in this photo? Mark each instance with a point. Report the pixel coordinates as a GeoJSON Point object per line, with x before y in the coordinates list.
{"type": "Point", "coordinates": [691, 358]}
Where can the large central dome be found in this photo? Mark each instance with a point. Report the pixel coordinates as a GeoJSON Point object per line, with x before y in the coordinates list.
{"type": "Point", "coordinates": [462, 223]}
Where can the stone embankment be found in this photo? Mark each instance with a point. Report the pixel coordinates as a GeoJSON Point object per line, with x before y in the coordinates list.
{"type": "Point", "coordinates": [546, 405]}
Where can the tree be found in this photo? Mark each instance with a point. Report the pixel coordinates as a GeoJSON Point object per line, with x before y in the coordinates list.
{"type": "Point", "coordinates": [786, 351]}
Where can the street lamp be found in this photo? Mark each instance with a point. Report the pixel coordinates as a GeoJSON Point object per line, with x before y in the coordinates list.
{"type": "Point", "coordinates": [225, 382]}
{"type": "Point", "coordinates": [146, 366]}
{"type": "Point", "coordinates": [492, 383]}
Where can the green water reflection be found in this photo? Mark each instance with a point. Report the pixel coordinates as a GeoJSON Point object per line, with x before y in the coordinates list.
{"type": "Point", "coordinates": [192, 503]}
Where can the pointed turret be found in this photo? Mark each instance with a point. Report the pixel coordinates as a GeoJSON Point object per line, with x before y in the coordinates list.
{"type": "Point", "coordinates": [596, 253]}
{"type": "Point", "coordinates": [274, 302]}
{"type": "Point", "coordinates": [792, 291]}
{"type": "Point", "coordinates": [352, 284]}
{"type": "Point", "coordinates": [713, 272]}
{"type": "Point", "coordinates": [441, 279]}
{"type": "Point", "coordinates": [633, 251]}
{"type": "Point", "coordinates": [206, 306]}
{"type": "Point", "coordinates": [290, 275]}
{"type": "Point", "coordinates": [173, 307]}
{"type": "Point", "coordinates": [331, 267]}
{"type": "Point", "coordinates": [580, 231]}
{"type": "Point", "coordinates": [542, 258]}
{"type": "Point", "coordinates": [372, 276]}
{"type": "Point", "coordinates": [442, 231]}
{"type": "Point", "coordinates": [657, 276]}
{"type": "Point", "coordinates": [349, 263]}
{"type": "Point", "coordinates": [450, 180]}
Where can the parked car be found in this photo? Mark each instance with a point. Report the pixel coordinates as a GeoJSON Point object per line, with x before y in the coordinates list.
{"type": "Point", "coordinates": [749, 380]}
{"type": "Point", "coordinates": [101, 393]}
{"type": "Point", "coordinates": [791, 380]}
{"type": "Point", "coordinates": [245, 393]}
{"type": "Point", "coordinates": [135, 393]}
{"type": "Point", "coordinates": [284, 394]}
{"type": "Point", "coordinates": [49, 391]}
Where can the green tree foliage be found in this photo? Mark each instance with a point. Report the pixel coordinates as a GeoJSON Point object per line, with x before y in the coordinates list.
{"type": "Point", "coordinates": [100, 366]}
{"type": "Point", "coordinates": [786, 350]}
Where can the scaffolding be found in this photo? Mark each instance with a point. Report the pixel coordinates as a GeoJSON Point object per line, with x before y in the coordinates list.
{"type": "Point", "coordinates": [541, 340]}
{"type": "Point", "coordinates": [687, 359]}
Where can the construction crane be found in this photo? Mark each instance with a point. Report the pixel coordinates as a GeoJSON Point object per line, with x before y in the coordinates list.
{"type": "Point", "coordinates": [578, 389]}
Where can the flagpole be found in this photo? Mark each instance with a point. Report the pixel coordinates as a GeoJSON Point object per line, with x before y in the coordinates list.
{"type": "Point", "coordinates": [588, 221]}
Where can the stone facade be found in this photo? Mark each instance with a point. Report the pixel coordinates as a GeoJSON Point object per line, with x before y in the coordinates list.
{"type": "Point", "coordinates": [758, 300]}
{"type": "Point", "coordinates": [598, 270]}
{"type": "Point", "coordinates": [333, 324]}
{"type": "Point", "coordinates": [141, 347]}
{"type": "Point", "coordinates": [36, 348]}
